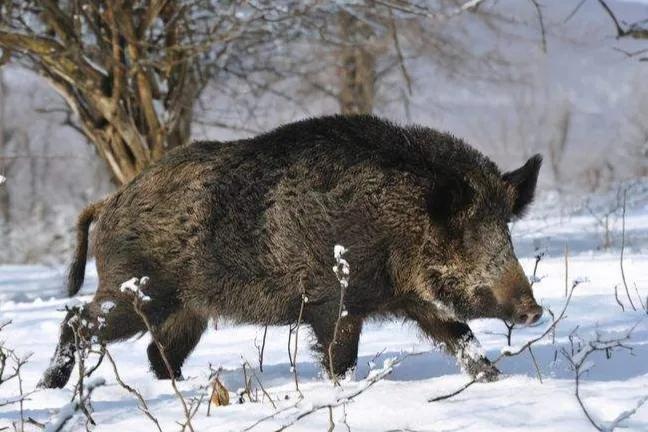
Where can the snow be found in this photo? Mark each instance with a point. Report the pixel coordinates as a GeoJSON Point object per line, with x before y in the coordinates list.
{"type": "Point", "coordinates": [133, 286]}
{"type": "Point", "coordinates": [397, 372]}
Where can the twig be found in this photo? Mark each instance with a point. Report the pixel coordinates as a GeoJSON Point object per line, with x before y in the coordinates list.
{"type": "Point", "coordinates": [261, 348]}
{"type": "Point", "coordinates": [304, 300]}
{"type": "Point", "coordinates": [58, 422]}
{"type": "Point", "coordinates": [535, 363]}
{"type": "Point", "coordinates": [644, 306]}
{"type": "Point", "coordinates": [6, 355]}
{"type": "Point", "coordinates": [135, 289]}
{"type": "Point", "coordinates": [616, 296]}
{"type": "Point", "coordinates": [344, 397]}
{"type": "Point", "coordinates": [330, 419]}
{"type": "Point", "coordinates": [566, 268]}
{"type": "Point", "coordinates": [22, 399]}
{"type": "Point", "coordinates": [247, 383]}
{"type": "Point", "coordinates": [341, 270]}
{"type": "Point", "coordinates": [256, 377]}
{"type": "Point", "coordinates": [620, 31]}
{"type": "Point", "coordinates": [143, 406]}
{"type": "Point", "coordinates": [509, 331]}
{"type": "Point", "coordinates": [82, 349]}
{"type": "Point", "coordinates": [573, 12]}
{"type": "Point", "coordinates": [623, 278]}
{"type": "Point", "coordinates": [542, 27]}
{"type": "Point", "coordinates": [578, 361]}
{"type": "Point", "coordinates": [399, 52]}
{"type": "Point", "coordinates": [454, 393]}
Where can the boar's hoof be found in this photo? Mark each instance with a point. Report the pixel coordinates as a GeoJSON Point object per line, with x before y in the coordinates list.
{"type": "Point", "coordinates": [488, 374]}
{"type": "Point", "coordinates": [163, 374]}
{"type": "Point", "coordinates": [483, 370]}
{"type": "Point", "coordinates": [55, 377]}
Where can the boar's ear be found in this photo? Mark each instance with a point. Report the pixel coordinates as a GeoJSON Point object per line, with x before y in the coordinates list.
{"type": "Point", "coordinates": [523, 180]}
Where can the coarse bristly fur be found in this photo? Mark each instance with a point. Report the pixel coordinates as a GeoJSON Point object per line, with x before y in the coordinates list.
{"type": "Point", "coordinates": [238, 229]}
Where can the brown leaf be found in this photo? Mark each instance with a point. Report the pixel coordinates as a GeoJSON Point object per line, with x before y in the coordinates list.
{"type": "Point", "coordinates": [220, 395]}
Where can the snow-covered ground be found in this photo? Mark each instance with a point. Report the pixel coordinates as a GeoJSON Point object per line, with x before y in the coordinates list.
{"type": "Point", "coordinates": [32, 298]}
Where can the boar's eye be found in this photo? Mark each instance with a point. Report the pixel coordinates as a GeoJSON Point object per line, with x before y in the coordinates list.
{"type": "Point", "coordinates": [523, 182]}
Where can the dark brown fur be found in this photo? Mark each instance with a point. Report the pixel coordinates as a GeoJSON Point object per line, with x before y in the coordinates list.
{"type": "Point", "coordinates": [237, 229]}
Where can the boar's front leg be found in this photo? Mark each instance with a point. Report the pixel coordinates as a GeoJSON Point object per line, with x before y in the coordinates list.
{"type": "Point", "coordinates": [345, 347]}
{"type": "Point", "coordinates": [458, 340]}
{"type": "Point", "coordinates": [179, 335]}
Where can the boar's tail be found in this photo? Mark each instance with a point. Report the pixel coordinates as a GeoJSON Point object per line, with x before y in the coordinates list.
{"type": "Point", "coordinates": [76, 273]}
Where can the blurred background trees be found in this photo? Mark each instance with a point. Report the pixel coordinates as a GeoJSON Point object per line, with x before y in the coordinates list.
{"type": "Point", "coordinates": [91, 92]}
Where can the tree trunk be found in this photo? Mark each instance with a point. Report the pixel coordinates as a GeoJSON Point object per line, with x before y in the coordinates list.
{"type": "Point", "coordinates": [5, 210]}
{"type": "Point", "coordinates": [132, 91]}
{"type": "Point", "coordinates": [358, 66]}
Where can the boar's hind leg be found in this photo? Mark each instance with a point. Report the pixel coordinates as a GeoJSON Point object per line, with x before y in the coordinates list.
{"type": "Point", "coordinates": [179, 335]}
{"type": "Point", "coordinates": [458, 340]}
{"type": "Point", "coordinates": [120, 322]}
{"type": "Point", "coordinates": [62, 363]}
{"type": "Point", "coordinates": [345, 348]}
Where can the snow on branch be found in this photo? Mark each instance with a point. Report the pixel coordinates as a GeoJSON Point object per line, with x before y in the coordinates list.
{"type": "Point", "coordinates": [68, 411]}
{"type": "Point", "coordinates": [578, 358]}
{"type": "Point", "coordinates": [134, 286]}
{"type": "Point", "coordinates": [10, 359]}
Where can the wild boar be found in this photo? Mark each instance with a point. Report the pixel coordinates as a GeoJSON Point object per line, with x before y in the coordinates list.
{"type": "Point", "coordinates": [240, 229]}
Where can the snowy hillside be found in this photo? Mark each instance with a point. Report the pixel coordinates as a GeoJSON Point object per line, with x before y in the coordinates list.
{"type": "Point", "coordinates": [523, 399]}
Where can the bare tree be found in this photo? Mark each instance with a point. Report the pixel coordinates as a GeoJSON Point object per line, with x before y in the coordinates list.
{"type": "Point", "coordinates": [357, 65]}
{"type": "Point", "coordinates": [5, 163]}
{"type": "Point", "coordinates": [132, 71]}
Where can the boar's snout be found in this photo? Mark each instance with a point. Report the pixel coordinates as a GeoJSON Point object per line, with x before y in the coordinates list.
{"type": "Point", "coordinates": [514, 296]}
{"type": "Point", "coordinates": [528, 314]}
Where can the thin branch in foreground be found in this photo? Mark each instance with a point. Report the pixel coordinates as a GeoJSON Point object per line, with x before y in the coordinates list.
{"type": "Point", "coordinates": [142, 405]}
{"type": "Point", "coordinates": [8, 355]}
{"type": "Point", "coordinates": [456, 392]}
{"type": "Point", "coordinates": [263, 390]}
{"type": "Point", "coordinates": [293, 367]}
{"type": "Point", "coordinates": [536, 5]}
{"type": "Point", "coordinates": [566, 268]}
{"type": "Point", "coordinates": [623, 278]}
{"type": "Point", "coordinates": [616, 296]}
{"type": "Point", "coordinates": [67, 412]}
{"type": "Point", "coordinates": [619, 29]}
{"type": "Point", "coordinates": [134, 288]}
{"type": "Point", "coordinates": [261, 348]}
{"type": "Point", "coordinates": [399, 52]}
{"type": "Point", "coordinates": [345, 396]}
{"type": "Point", "coordinates": [342, 271]}
{"type": "Point", "coordinates": [574, 11]}
{"type": "Point", "coordinates": [644, 306]}
{"type": "Point", "coordinates": [82, 350]}
{"type": "Point", "coordinates": [578, 359]}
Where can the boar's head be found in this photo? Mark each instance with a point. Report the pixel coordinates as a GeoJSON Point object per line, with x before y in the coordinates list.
{"type": "Point", "coordinates": [470, 268]}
